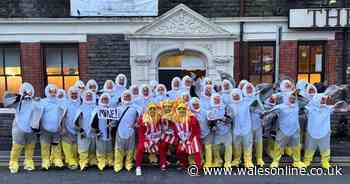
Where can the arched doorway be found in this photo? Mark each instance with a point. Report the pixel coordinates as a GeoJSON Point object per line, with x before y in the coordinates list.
{"type": "Point", "coordinates": [176, 63]}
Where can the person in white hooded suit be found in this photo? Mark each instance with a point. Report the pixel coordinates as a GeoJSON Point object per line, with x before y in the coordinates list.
{"type": "Point", "coordinates": [242, 131]}
{"type": "Point", "coordinates": [108, 87]}
{"type": "Point", "coordinates": [125, 135]}
{"type": "Point", "coordinates": [69, 133]}
{"type": "Point", "coordinates": [120, 85]}
{"type": "Point", "coordinates": [103, 131]}
{"type": "Point", "coordinates": [318, 130]}
{"type": "Point", "coordinates": [22, 133]}
{"type": "Point", "coordinates": [288, 133]}
{"type": "Point", "coordinates": [175, 91]}
{"type": "Point", "coordinates": [161, 94]}
{"type": "Point", "coordinates": [256, 113]}
{"type": "Point", "coordinates": [85, 139]}
{"type": "Point", "coordinates": [53, 112]}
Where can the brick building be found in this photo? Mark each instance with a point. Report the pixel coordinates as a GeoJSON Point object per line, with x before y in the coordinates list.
{"type": "Point", "coordinates": [40, 42]}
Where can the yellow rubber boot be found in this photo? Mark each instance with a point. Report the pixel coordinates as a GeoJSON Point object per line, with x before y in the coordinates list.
{"type": "Point", "coordinates": [70, 156]}
{"type": "Point", "coordinates": [14, 156]}
{"type": "Point", "coordinates": [325, 157]}
{"type": "Point", "coordinates": [92, 159]}
{"type": "Point", "coordinates": [288, 151]}
{"type": "Point", "coordinates": [118, 160]}
{"type": "Point", "coordinates": [259, 155]}
{"type": "Point", "coordinates": [83, 160]}
{"type": "Point", "coordinates": [110, 159]}
{"type": "Point", "coordinates": [276, 154]}
{"type": "Point", "coordinates": [309, 154]}
{"type": "Point", "coordinates": [228, 156]}
{"type": "Point", "coordinates": [75, 153]}
{"type": "Point", "coordinates": [248, 163]}
{"type": "Point", "coordinates": [101, 161]}
{"type": "Point", "coordinates": [28, 157]}
{"type": "Point", "coordinates": [152, 157]}
{"type": "Point", "coordinates": [56, 154]}
{"type": "Point", "coordinates": [208, 156]}
{"type": "Point", "coordinates": [237, 157]}
{"type": "Point", "coordinates": [217, 156]}
{"type": "Point", "coordinates": [297, 157]}
{"type": "Point", "coordinates": [129, 160]}
{"type": "Point", "coordinates": [45, 156]}
{"type": "Point", "coordinates": [270, 148]}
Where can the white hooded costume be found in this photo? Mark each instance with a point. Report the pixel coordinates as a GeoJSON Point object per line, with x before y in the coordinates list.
{"type": "Point", "coordinates": [242, 131]}
{"type": "Point", "coordinates": [288, 133]}
{"type": "Point", "coordinates": [161, 94]}
{"type": "Point", "coordinates": [318, 130]}
{"type": "Point", "coordinates": [125, 136]}
{"type": "Point", "coordinates": [27, 112]}
{"type": "Point", "coordinates": [175, 91]}
{"type": "Point", "coordinates": [69, 133]}
{"type": "Point", "coordinates": [103, 130]}
{"type": "Point", "coordinates": [53, 112]}
{"type": "Point", "coordinates": [86, 138]}
{"type": "Point", "coordinates": [120, 85]}
{"type": "Point", "coordinates": [218, 114]}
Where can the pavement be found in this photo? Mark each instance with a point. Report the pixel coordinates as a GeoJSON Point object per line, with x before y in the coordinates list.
{"type": "Point", "coordinates": [154, 176]}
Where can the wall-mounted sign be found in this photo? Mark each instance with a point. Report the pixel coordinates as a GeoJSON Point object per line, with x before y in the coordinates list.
{"type": "Point", "coordinates": [319, 18]}
{"type": "Point", "coordinates": [114, 7]}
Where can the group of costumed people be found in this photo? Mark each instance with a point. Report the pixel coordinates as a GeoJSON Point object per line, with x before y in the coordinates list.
{"type": "Point", "coordinates": [195, 125]}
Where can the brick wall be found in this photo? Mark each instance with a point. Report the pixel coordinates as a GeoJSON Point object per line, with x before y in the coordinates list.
{"type": "Point", "coordinates": [288, 59]}
{"type": "Point", "coordinates": [34, 8]}
{"type": "Point", "coordinates": [83, 61]}
{"type": "Point", "coordinates": [332, 69]}
{"type": "Point", "coordinates": [108, 55]}
{"type": "Point", "coordinates": [208, 8]}
{"type": "Point", "coordinates": [32, 70]}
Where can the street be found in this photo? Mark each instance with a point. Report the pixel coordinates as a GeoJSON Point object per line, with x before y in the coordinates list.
{"type": "Point", "coordinates": [154, 176]}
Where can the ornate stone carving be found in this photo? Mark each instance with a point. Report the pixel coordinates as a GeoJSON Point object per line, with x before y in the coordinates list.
{"type": "Point", "coordinates": [182, 23]}
{"type": "Point", "coordinates": [143, 59]}
{"type": "Point", "coordinates": [223, 59]}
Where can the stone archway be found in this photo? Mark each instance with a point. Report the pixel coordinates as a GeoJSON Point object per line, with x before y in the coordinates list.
{"type": "Point", "coordinates": [180, 30]}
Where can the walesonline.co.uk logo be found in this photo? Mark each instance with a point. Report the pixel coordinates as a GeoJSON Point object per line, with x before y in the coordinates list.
{"type": "Point", "coordinates": [258, 171]}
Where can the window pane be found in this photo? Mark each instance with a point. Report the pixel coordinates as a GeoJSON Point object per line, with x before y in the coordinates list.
{"type": "Point", "coordinates": [314, 78]}
{"type": "Point", "coordinates": [316, 58]}
{"type": "Point", "coordinates": [2, 87]}
{"type": "Point", "coordinates": [14, 83]}
{"type": "Point", "coordinates": [304, 77]}
{"type": "Point", "coordinates": [12, 61]}
{"type": "Point", "coordinates": [170, 61]}
{"type": "Point", "coordinates": [268, 59]}
{"type": "Point", "coordinates": [69, 81]}
{"type": "Point", "coordinates": [58, 81]}
{"type": "Point", "coordinates": [70, 61]}
{"type": "Point", "coordinates": [254, 60]}
{"type": "Point", "coordinates": [1, 62]}
{"type": "Point", "coordinates": [304, 57]}
{"type": "Point", "coordinates": [53, 61]}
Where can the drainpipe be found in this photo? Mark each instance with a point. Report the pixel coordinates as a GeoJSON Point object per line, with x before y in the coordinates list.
{"type": "Point", "coordinates": [241, 45]}
{"type": "Point", "coordinates": [345, 74]}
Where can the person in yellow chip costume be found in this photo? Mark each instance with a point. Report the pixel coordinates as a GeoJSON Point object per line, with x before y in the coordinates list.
{"type": "Point", "coordinates": [149, 134]}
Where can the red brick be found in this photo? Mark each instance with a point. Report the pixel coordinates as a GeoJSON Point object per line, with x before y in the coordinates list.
{"type": "Point", "coordinates": [32, 66]}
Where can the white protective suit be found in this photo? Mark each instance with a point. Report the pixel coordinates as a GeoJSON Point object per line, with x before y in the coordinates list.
{"type": "Point", "coordinates": [27, 111]}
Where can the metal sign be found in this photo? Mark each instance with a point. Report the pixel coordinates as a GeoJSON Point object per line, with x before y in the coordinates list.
{"type": "Point", "coordinates": [114, 7]}
{"type": "Point", "coordinates": [319, 18]}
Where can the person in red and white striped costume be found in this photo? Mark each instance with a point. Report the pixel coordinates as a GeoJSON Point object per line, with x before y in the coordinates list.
{"type": "Point", "coordinates": [188, 133]}
{"type": "Point", "coordinates": [149, 133]}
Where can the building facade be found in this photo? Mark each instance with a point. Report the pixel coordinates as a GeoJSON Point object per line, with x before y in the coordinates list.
{"type": "Point", "coordinates": [40, 42]}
